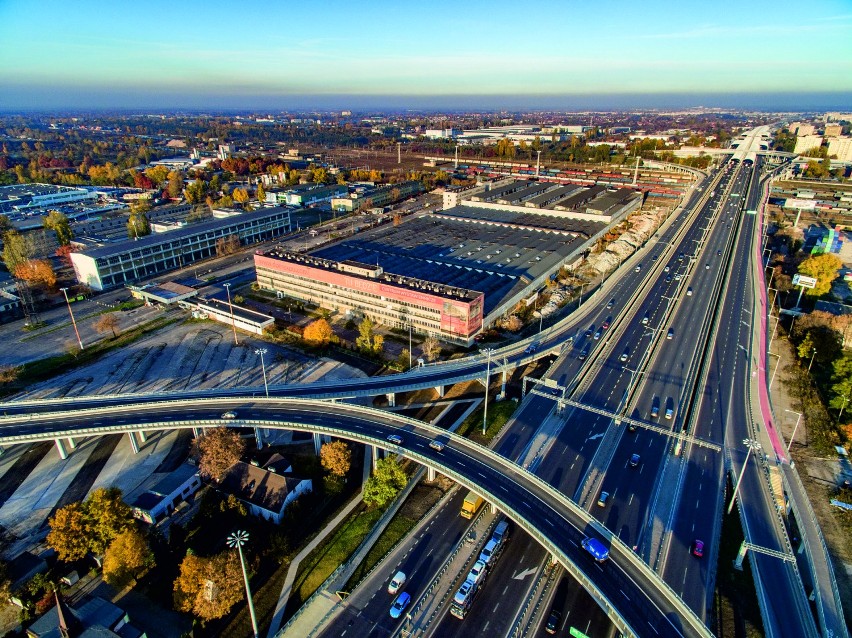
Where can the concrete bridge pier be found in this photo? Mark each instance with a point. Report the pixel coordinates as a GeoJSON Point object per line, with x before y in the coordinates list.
{"type": "Point", "coordinates": [196, 432]}
{"type": "Point", "coordinates": [72, 443]}
{"type": "Point", "coordinates": [259, 438]}
{"type": "Point", "coordinates": [376, 455]}
{"type": "Point", "coordinates": [431, 474]}
{"type": "Point", "coordinates": [143, 437]}
{"type": "Point", "coordinates": [317, 443]}
{"type": "Point", "coordinates": [133, 442]}
{"type": "Point", "coordinates": [60, 447]}
{"type": "Point", "coordinates": [391, 399]}
{"type": "Point", "coordinates": [504, 379]}
{"type": "Point", "coordinates": [440, 389]}
{"type": "Point", "coordinates": [738, 562]}
{"type": "Point", "coordinates": [493, 509]}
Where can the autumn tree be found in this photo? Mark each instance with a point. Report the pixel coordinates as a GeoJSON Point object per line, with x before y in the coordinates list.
{"type": "Point", "coordinates": [824, 269]}
{"type": "Point", "coordinates": [107, 515]}
{"type": "Point", "coordinates": [241, 196]}
{"type": "Point", "coordinates": [107, 323]}
{"type": "Point", "coordinates": [58, 223]}
{"type": "Point", "coordinates": [261, 193]}
{"type": "Point", "coordinates": [68, 532]}
{"type": "Point", "coordinates": [8, 373]}
{"type": "Point", "coordinates": [209, 587]}
{"type": "Point", "coordinates": [217, 450]}
{"type": "Point", "coordinates": [36, 272]}
{"type": "Point", "coordinates": [64, 254]}
{"type": "Point", "coordinates": [336, 458]}
{"type": "Point", "coordinates": [387, 480]}
{"type": "Point", "coordinates": [195, 192]}
{"type": "Point", "coordinates": [227, 245]}
{"type": "Point", "coordinates": [318, 332]}
{"type": "Point", "coordinates": [127, 557]}
{"type": "Point", "coordinates": [431, 348]}
{"type": "Point", "coordinates": [175, 185]}
{"type": "Point", "coordinates": [158, 174]}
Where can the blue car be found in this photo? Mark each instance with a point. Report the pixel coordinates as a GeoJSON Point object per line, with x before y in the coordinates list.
{"type": "Point", "coordinates": [399, 605]}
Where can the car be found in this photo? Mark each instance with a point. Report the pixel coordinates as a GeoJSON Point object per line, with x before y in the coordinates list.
{"type": "Point", "coordinates": [437, 445]}
{"type": "Point", "coordinates": [530, 348]}
{"type": "Point", "coordinates": [476, 572]}
{"type": "Point", "coordinates": [229, 415]}
{"type": "Point", "coordinates": [668, 278]}
{"type": "Point", "coordinates": [680, 257]}
{"type": "Point", "coordinates": [669, 413]}
{"type": "Point", "coordinates": [610, 304]}
{"type": "Point", "coordinates": [624, 355]}
{"type": "Point", "coordinates": [590, 331]}
{"type": "Point", "coordinates": [718, 253]}
{"type": "Point", "coordinates": [399, 605]}
{"type": "Point", "coordinates": [553, 622]}
{"type": "Point", "coordinates": [655, 411]}
{"type": "Point", "coordinates": [646, 319]}
{"type": "Point", "coordinates": [396, 439]}
{"type": "Point", "coordinates": [670, 334]}
{"type": "Point", "coordinates": [462, 593]}
{"type": "Point", "coordinates": [596, 548]}
{"type": "Point", "coordinates": [582, 356]}
{"type": "Point", "coordinates": [654, 258]}
{"type": "Point", "coordinates": [597, 335]}
{"type": "Point", "coordinates": [397, 582]}
{"type": "Point", "coordinates": [698, 548]}
{"type": "Point", "coordinates": [667, 269]}
{"type": "Point", "coordinates": [631, 427]}
{"type": "Point", "coordinates": [678, 276]}
{"type": "Point", "coordinates": [689, 292]}
{"type": "Point", "coordinates": [706, 266]}
{"type": "Point", "coordinates": [638, 268]}
{"type": "Point", "coordinates": [487, 552]}
{"type": "Point", "coordinates": [602, 499]}
{"type": "Point", "coordinates": [634, 460]}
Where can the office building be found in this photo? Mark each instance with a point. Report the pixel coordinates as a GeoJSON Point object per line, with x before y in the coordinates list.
{"type": "Point", "coordinates": [132, 260]}
{"type": "Point", "coordinates": [805, 143]}
{"type": "Point", "coordinates": [841, 147]}
{"type": "Point", "coordinates": [833, 130]}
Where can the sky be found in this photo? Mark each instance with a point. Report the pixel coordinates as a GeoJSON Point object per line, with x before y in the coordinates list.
{"type": "Point", "coordinates": [209, 54]}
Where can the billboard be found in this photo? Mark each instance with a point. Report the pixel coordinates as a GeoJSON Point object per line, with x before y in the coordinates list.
{"type": "Point", "coordinates": [804, 281]}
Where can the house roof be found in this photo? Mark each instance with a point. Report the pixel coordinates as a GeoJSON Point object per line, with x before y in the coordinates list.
{"type": "Point", "coordinates": [258, 486]}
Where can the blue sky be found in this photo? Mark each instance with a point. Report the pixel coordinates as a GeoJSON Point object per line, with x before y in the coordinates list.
{"type": "Point", "coordinates": [106, 52]}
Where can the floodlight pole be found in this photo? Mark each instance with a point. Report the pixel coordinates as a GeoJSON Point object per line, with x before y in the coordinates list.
{"type": "Point", "coordinates": [73, 322]}
{"type": "Point", "coordinates": [237, 539]}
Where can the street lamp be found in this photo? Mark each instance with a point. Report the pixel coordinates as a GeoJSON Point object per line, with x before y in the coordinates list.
{"type": "Point", "coordinates": [231, 307]}
{"type": "Point", "coordinates": [772, 378]}
{"type": "Point", "coordinates": [409, 344]}
{"type": "Point", "coordinates": [261, 352]}
{"type": "Point", "coordinates": [74, 323]}
{"type": "Point", "coordinates": [813, 354]}
{"type": "Point", "coordinates": [753, 446]}
{"type": "Point", "coordinates": [796, 427]}
{"type": "Point", "coordinates": [488, 352]}
{"type": "Point", "coordinates": [238, 539]}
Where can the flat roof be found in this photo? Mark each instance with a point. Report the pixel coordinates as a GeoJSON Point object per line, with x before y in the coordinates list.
{"type": "Point", "coordinates": [156, 239]}
{"type": "Point", "coordinates": [249, 316]}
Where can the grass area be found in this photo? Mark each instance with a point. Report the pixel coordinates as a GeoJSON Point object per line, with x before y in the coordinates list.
{"type": "Point", "coordinates": [396, 530]}
{"type": "Point", "coordinates": [736, 610]}
{"type": "Point", "coordinates": [498, 415]}
{"type": "Point", "coordinates": [35, 371]}
{"type": "Point", "coordinates": [321, 562]}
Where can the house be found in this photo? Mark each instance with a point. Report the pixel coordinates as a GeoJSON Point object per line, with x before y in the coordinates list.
{"type": "Point", "coordinates": [160, 499]}
{"type": "Point", "coordinates": [96, 618]}
{"type": "Point", "coordinates": [266, 493]}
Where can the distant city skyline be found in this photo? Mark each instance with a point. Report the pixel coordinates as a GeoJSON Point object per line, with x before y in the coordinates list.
{"type": "Point", "coordinates": [544, 54]}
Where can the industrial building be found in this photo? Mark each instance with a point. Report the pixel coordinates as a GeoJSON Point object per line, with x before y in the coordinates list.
{"type": "Point", "coordinates": [450, 273]}
{"type": "Point", "coordinates": [308, 194]}
{"type": "Point", "coordinates": [37, 199]}
{"type": "Point", "coordinates": [124, 262]}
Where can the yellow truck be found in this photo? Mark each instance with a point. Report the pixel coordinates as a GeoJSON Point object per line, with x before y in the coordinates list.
{"type": "Point", "coordinates": [471, 505]}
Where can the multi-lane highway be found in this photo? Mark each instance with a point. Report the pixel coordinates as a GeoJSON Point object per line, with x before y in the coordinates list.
{"type": "Point", "coordinates": [676, 353]}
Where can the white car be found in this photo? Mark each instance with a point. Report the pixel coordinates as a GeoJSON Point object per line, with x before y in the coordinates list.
{"type": "Point", "coordinates": [397, 582]}
{"type": "Point", "coordinates": [476, 571]}
{"type": "Point", "coordinates": [229, 415]}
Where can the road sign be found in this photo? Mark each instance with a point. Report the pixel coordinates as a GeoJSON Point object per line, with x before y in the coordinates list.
{"type": "Point", "coordinates": [751, 212]}
{"type": "Point", "coordinates": [804, 281]}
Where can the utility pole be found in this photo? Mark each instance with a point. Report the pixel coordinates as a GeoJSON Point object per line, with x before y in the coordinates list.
{"type": "Point", "coordinates": [73, 322]}
{"type": "Point", "coordinates": [231, 307]}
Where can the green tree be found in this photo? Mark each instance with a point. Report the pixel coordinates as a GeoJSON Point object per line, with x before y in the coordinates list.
{"type": "Point", "coordinates": [126, 558]}
{"type": "Point", "coordinates": [195, 192]}
{"type": "Point", "coordinates": [58, 223]}
{"type": "Point", "coordinates": [107, 516]}
{"type": "Point", "coordinates": [386, 482]}
{"type": "Point", "coordinates": [824, 269]}
{"type": "Point", "coordinates": [367, 340]}
{"type": "Point", "coordinates": [18, 249]}
{"type": "Point", "coordinates": [175, 186]}
{"type": "Point", "coordinates": [5, 224]}
{"type": "Point", "coordinates": [841, 388]}
{"type": "Point", "coordinates": [138, 225]}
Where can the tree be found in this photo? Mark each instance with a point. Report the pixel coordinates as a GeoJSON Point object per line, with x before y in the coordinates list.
{"type": "Point", "coordinates": [385, 483]}
{"type": "Point", "coordinates": [824, 269]}
{"type": "Point", "coordinates": [367, 340]}
{"type": "Point", "coordinates": [227, 245]}
{"type": "Point", "coordinates": [195, 192]}
{"type": "Point", "coordinates": [431, 348]}
{"type": "Point", "coordinates": [158, 174]}
{"type": "Point", "coordinates": [58, 223]}
{"type": "Point", "coordinates": [261, 193]}
{"type": "Point", "coordinates": [318, 332]}
{"type": "Point", "coordinates": [68, 532]}
{"type": "Point", "coordinates": [217, 450]}
{"type": "Point", "coordinates": [5, 224]}
{"type": "Point", "coordinates": [336, 458]}
{"type": "Point", "coordinates": [8, 373]}
{"type": "Point", "coordinates": [841, 388]}
{"type": "Point", "coordinates": [36, 272]}
{"type": "Point", "coordinates": [240, 196]}
{"type": "Point", "coordinates": [126, 558]}
{"type": "Point", "coordinates": [64, 254]}
{"type": "Point", "coordinates": [107, 516]}
{"type": "Point", "coordinates": [138, 225]}
{"type": "Point", "coordinates": [209, 587]}
{"type": "Point", "coordinates": [107, 323]}
{"type": "Point", "coordinates": [17, 249]}
{"type": "Point", "coordinates": [404, 358]}
{"type": "Point", "coordinates": [175, 186]}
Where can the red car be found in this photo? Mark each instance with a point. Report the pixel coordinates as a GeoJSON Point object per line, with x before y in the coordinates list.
{"type": "Point", "coordinates": [698, 548]}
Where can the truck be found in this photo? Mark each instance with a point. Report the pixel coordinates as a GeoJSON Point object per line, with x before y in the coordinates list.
{"type": "Point", "coordinates": [471, 505]}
